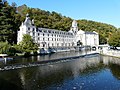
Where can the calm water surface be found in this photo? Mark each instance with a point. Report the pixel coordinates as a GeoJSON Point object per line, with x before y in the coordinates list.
{"type": "Point", "coordinates": [18, 60]}
{"type": "Point", "coordinates": [89, 73]}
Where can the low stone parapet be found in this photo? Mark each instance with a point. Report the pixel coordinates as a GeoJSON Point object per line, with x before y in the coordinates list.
{"type": "Point", "coordinates": [110, 52]}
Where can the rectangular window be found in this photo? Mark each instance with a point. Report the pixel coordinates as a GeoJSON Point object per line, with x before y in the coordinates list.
{"type": "Point", "coordinates": [57, 44]}
{"type": "Point", "coordinates": [40, 30]}
{"type": "Point", "coordinates": [49, 31]}
{"type": "Point", "coordinates": [29, 33]}
{"type": "Point", "coordinates": [36, 30]}
{"type": "Point", "coordinates": [33, 29]}
{"type": "Point", "coordinates": [45, 31]}
{"type": "Point", "coordinates": [33, 33]}
{"type": "Point", "coordinates": [28, 28]}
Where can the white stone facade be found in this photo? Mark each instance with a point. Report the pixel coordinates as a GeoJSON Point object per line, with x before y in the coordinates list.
{"type": "Point", "coordinates": [55, 38]}
{"type": "Point", "coordinates": [88, 38]}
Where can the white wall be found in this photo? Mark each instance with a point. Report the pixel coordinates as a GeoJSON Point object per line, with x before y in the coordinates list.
{"type": "Point", "coordinates": [57, 38]}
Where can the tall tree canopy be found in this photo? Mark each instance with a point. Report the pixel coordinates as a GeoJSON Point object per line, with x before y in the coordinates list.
{"type": "Point", "coordinates": [9, 22]}
{"type": "Point", "coordinates": [55, 20]}
{"type": "Point", "coordinates": [114, 39]}
{"type": "Point", "coordinates": [27, 45]}
{"type": "Point", "coordinates": [12, 16]}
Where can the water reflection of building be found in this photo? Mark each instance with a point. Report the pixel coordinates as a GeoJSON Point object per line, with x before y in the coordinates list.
{"type": "Point", "coordinates": [45, 76]}
{"type": "Point", "coordinates": [48, 74]}
{"type": "Point", "coordinates": [107, 60]}
{"type": "Point", "coordinates": [55, 38]}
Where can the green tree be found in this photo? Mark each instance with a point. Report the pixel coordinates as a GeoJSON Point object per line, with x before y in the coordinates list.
{"type": "Point", "coordinates": [54, 20]}
{"type": "Point", "coordinates": [5, 23]}
{"type": "Point", "coordinates": [27, 45]}
{"type": "Point", "coordinates": [4, 47]}
{"type": "Point", "coordinates": [102, 39]}
{"type": "Point", "coordinates": [9, 22]}
{"type": "Point", "coordinates": [114, 40]}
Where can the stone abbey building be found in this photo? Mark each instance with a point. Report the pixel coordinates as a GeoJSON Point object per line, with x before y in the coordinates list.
{"type": "Point", "coordinates": [46, 38]}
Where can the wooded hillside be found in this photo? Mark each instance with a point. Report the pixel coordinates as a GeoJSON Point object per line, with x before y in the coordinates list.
{"type": "Point", "coordinates": [55, 20]}
{"type": "Point", "coordinates": [46, 19]}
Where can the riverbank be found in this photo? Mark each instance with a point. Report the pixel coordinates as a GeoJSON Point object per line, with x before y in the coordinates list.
{"type": "Point", "coordinates": [38, 63]}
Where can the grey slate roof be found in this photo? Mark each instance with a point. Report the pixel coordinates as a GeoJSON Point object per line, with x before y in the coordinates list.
{"type": "Point", "coordinates": [87, 32]}
{"type": "Point", "coordinates": [53, 30]}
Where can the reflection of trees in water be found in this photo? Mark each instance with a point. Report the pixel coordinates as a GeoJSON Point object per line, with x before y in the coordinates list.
{"type": "Point", "coordinates": [91, 65]}
{"type": "Point", "coordinates": [9, 85]}
{"type": "Point", "coordinates": [57, 73]}
{"type": "Point", "coordinates": [9, 80]}
{"type": "Point", "coordinates": [26, 75]}
{"type": "Point", "coordinates": [92, 69]}
{"type": "Point", "coordinates": [44, 76]}
{"type": "Point", "coordinates": [113, 64]}
{"type": "Point", "coordinates": [55, 78]}
{"type": "Point", "coordinates": [115, 69]}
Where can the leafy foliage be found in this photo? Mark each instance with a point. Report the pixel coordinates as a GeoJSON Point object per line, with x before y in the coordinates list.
{"type": "Point", "coordinates": [4, 47]}
{"type": "Point", "coordinates": [9, 22]}
{"type": "Point", "coordinates": [55, 20]}
{"type": "Point", "coordinates": [27, 45]}
{"type": "Point", "coordinates": [103, 29]}
{"type": "Point", "coordinates": [11, 51]}
{"type": "Point", "coordinates": [11, 17]}
{"type": "Point", "coordinates": [114, 40]}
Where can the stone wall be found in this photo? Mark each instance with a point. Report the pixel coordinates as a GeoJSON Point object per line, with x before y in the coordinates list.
{"type": "Point", "coordinates": [110, 52]}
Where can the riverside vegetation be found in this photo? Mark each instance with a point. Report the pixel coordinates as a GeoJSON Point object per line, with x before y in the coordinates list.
{"type": "Point", "coordinates": [11, 16]}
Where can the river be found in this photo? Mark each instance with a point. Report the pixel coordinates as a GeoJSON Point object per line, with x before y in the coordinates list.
{"type": "Point", "coordinates": [87, 73]}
